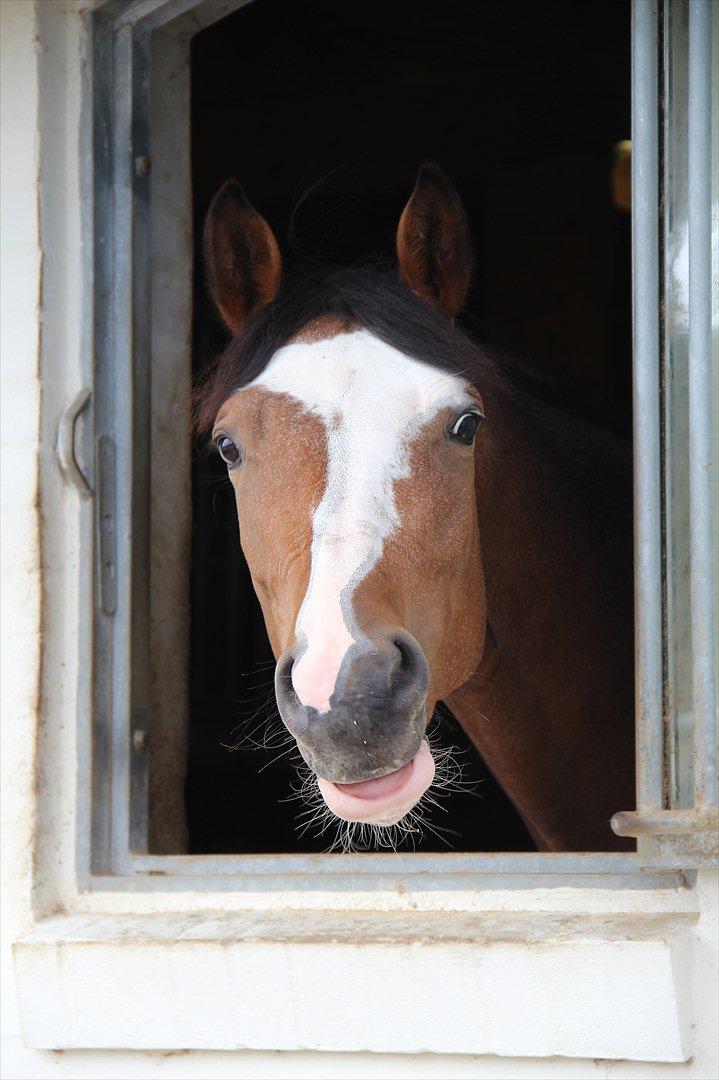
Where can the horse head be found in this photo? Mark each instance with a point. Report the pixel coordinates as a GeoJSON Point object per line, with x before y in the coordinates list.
{"type": "Point", "coordinates": [349, 432]}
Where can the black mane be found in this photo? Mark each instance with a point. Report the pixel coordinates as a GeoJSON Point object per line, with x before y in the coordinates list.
{"type": "Point", "coordinates": [366, 297]}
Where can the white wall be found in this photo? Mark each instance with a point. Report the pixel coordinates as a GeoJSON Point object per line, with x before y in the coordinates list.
{"type": "Point", "coordinates": [22, 265]}
{"type": "Point", "coordinates": [19, 420]}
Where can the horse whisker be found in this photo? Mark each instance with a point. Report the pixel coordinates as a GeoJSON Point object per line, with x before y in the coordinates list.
{"type": "Point", "coordinates": [353, 836]}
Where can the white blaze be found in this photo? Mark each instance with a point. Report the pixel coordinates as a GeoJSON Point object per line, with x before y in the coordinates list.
{"type": "Point", "coordinates": [371, 399]}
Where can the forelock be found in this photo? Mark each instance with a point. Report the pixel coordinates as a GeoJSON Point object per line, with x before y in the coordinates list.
{"type": "Point", "coordinates": [321, 301]}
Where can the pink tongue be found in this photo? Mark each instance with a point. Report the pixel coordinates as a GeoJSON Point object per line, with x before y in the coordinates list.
{"type": "Point", "coordinates": [386, 799]}
{"type": "Point", "coordinates": [380, 787]}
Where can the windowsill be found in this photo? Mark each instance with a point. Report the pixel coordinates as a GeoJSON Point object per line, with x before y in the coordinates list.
{"type": "Point", "coordinates": [441, 971]}
{"type": "Point", "coordinates": [372, 872]}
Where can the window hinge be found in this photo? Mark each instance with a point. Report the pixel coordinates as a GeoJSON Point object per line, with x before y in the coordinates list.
{"type": "Point", "coordinates": [107, 524]}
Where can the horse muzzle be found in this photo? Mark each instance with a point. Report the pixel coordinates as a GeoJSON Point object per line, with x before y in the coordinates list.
{"type": "Point", "coordinates": [367, 749]}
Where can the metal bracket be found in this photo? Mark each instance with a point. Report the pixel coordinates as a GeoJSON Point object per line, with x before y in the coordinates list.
{"type": "Point", "coordinates": [686, 839]}
{"type": "Point", "coordinates": [65, 444]}
{"type": "Point", "coordinates": [664, 822]}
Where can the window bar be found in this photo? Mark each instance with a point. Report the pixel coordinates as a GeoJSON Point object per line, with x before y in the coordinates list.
{"type": "Point", "coordinates": [127, 210]}
{"type": "Point", "coordinates": [678, 837]}
{"type": "Point", "coordinates": [679, 737]}
{"type": "Point", "coordinates": [119, 207]}
{"type": "Point", "coordinates": [96, 779]}
{"type": "Point", "coordinates": [647, 468]}
{"type": "Point", "coordinates": [702, 451]}
{"type": "Point", "coordinates": [138, 159]}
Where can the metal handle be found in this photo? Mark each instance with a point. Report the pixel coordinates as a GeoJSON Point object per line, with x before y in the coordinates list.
{"type": "Point", "coordinates": [65, 445]}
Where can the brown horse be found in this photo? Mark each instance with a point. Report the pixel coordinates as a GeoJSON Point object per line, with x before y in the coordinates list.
{"type": "Point", "coordinates": [419, 528]}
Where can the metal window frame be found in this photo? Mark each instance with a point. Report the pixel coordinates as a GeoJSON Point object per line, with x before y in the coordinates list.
{"type": "Point", "coordinates": [672, 832]}
{"type": "Point", "coordinates": [138, 181]}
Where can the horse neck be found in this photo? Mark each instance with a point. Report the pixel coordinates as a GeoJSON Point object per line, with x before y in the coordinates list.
{"type": "Point", "coordinates": [554, 519]}
{"type": "Point", "coordinates": [554, 510]}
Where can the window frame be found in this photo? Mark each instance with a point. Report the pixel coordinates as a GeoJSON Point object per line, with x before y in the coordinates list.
{"type": "Point", "coordinates": [138, 188]}
{"type": "Point", "coordinates": [673, 831]}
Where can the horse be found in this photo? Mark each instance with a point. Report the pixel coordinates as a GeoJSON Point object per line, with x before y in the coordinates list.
{"type": "Point", "coordinates": [421, 527]}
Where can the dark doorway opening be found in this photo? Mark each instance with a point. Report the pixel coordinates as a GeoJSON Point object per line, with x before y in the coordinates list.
{"type": "Point", "coordinates": [524, 108]}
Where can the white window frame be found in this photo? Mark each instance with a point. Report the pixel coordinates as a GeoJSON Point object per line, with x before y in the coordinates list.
{"type": "Point", "coordinates": [280, 919]}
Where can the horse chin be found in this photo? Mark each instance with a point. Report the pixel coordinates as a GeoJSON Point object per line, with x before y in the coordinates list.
{"type": "Point", "coordinates": [383, 800]}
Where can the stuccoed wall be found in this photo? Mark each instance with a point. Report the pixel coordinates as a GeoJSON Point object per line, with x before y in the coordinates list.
{"type": "Point", "coordinates": [29, 37]}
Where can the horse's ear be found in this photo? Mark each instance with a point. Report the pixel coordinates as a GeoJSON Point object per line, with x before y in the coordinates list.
{"type": "Point", "coordinates": [242, 258]}
{"type": "Point", "coordinates": [433, 245]}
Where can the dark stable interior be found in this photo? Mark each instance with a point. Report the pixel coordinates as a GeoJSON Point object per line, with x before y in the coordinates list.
{"type": "Point", "coordinates": [523, 106]}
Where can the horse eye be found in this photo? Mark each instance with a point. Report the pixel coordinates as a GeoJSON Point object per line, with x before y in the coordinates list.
{"type": "Point", "coordinates": [227, 449]}
{"type": "Point", "coordinates": [465, 428]}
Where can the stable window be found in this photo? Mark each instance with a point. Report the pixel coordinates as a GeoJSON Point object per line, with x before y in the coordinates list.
{"type": "Point", "coordinates": [328, 133]}
{"type": "Point", "coordinates": [166, 85]}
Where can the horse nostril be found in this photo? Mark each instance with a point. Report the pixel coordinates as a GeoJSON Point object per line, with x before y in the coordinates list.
{"type": "Point", "coordinates": [408, 671]}
{"type": "Point", "coordinates": [410, 674]}
{"type": "Point", "coordinates": [406, 659]}
{"type": "Point", "coordinates": [283, 673]}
